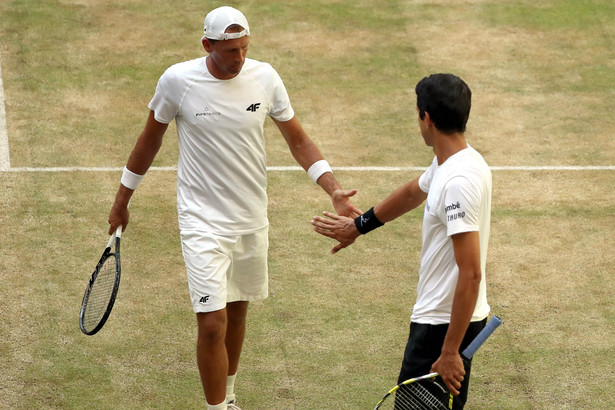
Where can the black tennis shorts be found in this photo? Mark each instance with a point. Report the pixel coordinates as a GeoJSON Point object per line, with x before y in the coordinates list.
{"type": "Point", "coordinates": [424, 347]}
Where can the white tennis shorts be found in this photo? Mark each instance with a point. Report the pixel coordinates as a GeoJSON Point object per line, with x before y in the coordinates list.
{"type": "Point", "coordinates": [223, 269]}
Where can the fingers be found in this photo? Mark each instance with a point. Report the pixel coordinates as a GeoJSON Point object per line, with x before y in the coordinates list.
{"type": "Point", "coordinates": [116, 219]}
{"type": "Point", "coordinates": [324, 227]}
{"type": "Point", "coordinates": [451, 372]}
{"type": "Point", "coordinates": [349, 193]}
{"type": "Point", "coordinates": [356, 212]}
{"type": "Point", "coordinates": [324, 232]}
{"type": "Point", "coordinates": [454, 385]}
{"type": "Point", "coordinates": [340, 246]}
{"type": "Point", "coordinates": [342, 204]}
{"type": "Point", "coordinates": [326, 223]}
{"type": "Point", "coordinates": [330, 215]}
{"type": "Point", "coordinates": [113, 227]}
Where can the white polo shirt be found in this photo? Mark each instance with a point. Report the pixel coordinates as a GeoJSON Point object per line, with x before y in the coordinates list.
{"type": "Point", "coordinates": [221, 170]}
{"type": "Point", "coordinates": [458, 200]}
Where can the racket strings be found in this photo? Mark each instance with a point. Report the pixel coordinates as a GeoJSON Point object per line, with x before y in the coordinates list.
{"type": "Point", "coordinates": [100, 294]}
{"type": "Point", "coordinates": [416, 396]}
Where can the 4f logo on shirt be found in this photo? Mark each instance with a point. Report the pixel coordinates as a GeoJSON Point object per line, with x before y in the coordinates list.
{"type": "Point", "coordinates": [204, 299]}
{"type": "Point", "coordinates": [253, 107]}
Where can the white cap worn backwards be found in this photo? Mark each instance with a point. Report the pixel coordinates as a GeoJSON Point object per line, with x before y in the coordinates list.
{"type": "Point", "coordinates": [218, 20]}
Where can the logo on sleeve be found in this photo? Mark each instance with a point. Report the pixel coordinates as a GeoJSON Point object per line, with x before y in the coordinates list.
{"type": "Point", "coordinates": [456, 214]}
{"type": "Point", "coordinates": [204, 299]}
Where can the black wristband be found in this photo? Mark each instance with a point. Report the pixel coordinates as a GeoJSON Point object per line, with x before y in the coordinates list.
{"type": "Point", "coordinates": [367, 222]}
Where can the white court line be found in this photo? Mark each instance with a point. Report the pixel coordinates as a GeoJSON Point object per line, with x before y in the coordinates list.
{"type": "Point", "coordinates": [353, 169]}
{"type": "Point", "coordinates": [5, 159]}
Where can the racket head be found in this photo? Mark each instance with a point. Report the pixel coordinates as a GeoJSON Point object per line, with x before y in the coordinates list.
{"type": "Point", "coordinates": [101, 290]}
{"type": "Point", "coordinates": [426, 392]}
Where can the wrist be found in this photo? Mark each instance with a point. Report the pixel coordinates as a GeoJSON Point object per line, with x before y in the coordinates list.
{"type": "Point", "coordinates": [131, 180]}
{"type": "Point", "coordinates": [367, 222]}
{"type": "Point", "coordinates": [317, 169]}
{"type": "Point", "coordinates": [446, 351]}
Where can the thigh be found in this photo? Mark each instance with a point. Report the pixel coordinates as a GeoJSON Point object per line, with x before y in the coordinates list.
{"type": "Point", "coordinates": [422, 350]}
{"type": "Point", "coordinates": [248, 275]}
{"type": "Point", "coordinates": [207, 257]}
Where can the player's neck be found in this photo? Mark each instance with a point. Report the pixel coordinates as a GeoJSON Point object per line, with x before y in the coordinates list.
{"type": "Point", "coordinates": [216, 71]}
{"type": "Point", "coordinates": [447, 145]}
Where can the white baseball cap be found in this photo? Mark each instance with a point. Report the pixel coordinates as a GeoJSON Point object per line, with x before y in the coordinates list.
{"type": "Point", "coordinates": [218, 20]}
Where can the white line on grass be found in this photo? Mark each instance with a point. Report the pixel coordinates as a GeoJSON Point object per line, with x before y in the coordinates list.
{"type": "Point", "coordinates": [5, 159]}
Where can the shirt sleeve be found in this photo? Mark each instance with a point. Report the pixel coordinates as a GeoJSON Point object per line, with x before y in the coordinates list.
{"type": "Point", "coordinates": [165, 102]}
{"type": "Point", "coordinates": [461, 206]}
{"type": "Point", "coordinates": [427, 176]}
{"type": "Point", "coordinates": [281, 109]}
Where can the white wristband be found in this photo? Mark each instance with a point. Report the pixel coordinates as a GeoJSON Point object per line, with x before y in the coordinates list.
{"type": "Point", "coordinates": [318, 168]}
{"type": "Point", "coordinates": [131, 180]}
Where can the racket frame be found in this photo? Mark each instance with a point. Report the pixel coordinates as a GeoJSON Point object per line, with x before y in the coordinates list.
{"type": "Point", "coordinates": [427, 377]}
{"type": "Point", "coordinates": [115, 237]}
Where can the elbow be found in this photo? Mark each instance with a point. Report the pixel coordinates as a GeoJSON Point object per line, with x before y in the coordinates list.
{"type": "Point", "coordinates": [470, 278]}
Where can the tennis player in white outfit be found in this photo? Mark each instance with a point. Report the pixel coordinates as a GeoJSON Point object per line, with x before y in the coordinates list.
{"type": "Point", "coordinates": [220, 103]}
{"type": "Point", "coordinates": [451, 306]}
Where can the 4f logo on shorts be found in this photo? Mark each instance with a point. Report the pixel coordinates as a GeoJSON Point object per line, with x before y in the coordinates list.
{"type": "Point", "coordinates": [204, 299]}
{"type": "Point", "coordinates": [253, 107]}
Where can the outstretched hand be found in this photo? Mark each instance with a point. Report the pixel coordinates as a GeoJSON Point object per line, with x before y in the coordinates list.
{"type": "Point", "coordinates": [338, 227]}
{"type": "Point", "coordinates": [341, 202]}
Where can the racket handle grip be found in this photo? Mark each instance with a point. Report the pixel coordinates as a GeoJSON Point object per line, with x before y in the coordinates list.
{"type": "Point", "coordinates": [117, 234]}
{"type": "Point", "coordinates": [481, 337]}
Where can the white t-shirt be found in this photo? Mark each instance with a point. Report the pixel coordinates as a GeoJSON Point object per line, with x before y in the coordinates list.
{"type": "Point", "coordinates": [458, 200]}
{"type": "Point", "coordinates": [221, 170]}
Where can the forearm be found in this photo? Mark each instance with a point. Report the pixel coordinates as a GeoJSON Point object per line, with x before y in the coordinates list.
{"type": "Point", "coordinates": [306, 153]}
{"type": "Point", "coordinates": [464, 302]}
{"type": "Point", "coordinates": [143, 154]}
{"type": "Point", "coordinates": [466, 247]}
{"type": "Point", "coordinates": [138, 163]}
{"type": "Point", "coordinates": [402, 200]}
{"type": "Point", "coordinates": [302, 148]}
{"type": "Point", "coordinates": [147, 146]}
{"type": "Point", "coordinates": [328, 182]}
{"type": "Point", "coordinates": [122, 197]}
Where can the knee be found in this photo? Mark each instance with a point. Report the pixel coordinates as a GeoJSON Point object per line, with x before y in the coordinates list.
{"type": "Point", "coordinates": [237, 313]}
{"type": "Point", "coordinates": [211, 326]}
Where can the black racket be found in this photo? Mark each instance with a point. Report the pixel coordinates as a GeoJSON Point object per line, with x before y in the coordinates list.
{"type": "Point", "coordinates": [102, 288]}
{"type": "Point", "coordinates": [427, 392]}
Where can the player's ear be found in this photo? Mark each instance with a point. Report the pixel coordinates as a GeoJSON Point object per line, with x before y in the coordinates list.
{"type": "Point", "coordinates": [206, 44]}
{"type": "Point", "coordinates": [427, 119]}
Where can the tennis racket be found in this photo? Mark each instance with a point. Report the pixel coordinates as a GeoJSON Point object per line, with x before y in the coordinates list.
{"type": "Point", "coordinates": [426, 392]}
{"type": "Point", "coordinates": [102, 288]}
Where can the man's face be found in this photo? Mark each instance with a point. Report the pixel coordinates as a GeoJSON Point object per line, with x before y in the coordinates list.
{"type": "Point", "coordinates": [227, 56]}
